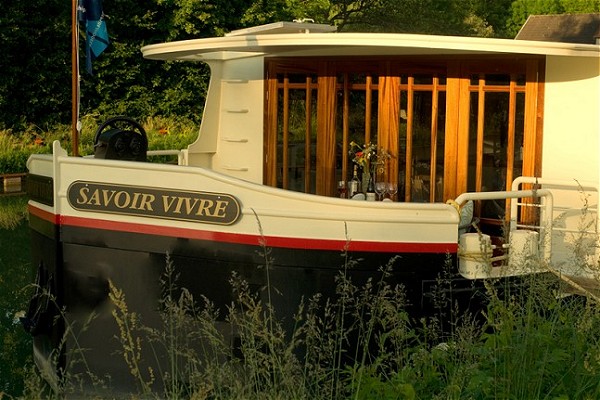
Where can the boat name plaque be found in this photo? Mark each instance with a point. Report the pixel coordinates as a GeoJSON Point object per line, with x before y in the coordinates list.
{"type": "Point", "coordinates": [207, 207]}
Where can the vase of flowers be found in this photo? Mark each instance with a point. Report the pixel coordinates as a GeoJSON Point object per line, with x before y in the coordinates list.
{"type": "Point", "coordinates": [370, 160]}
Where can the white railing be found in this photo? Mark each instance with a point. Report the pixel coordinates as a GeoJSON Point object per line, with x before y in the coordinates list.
{"type": "Point", "coordinates": [178, 153]}
{"type": "Point", "coordinates": [583, 189]}
{"type": "Point", "coordinates": [546, 205]}
{"type": "Point", "coordinates": [561, 215]}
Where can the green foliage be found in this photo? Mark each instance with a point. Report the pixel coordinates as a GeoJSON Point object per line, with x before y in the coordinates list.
{"type": "Point", "coordinates": [14, 161]}
{"type": "Point", "coordinates": [321, 11]}
{"type": "Point", "coordinates": [15, 344]}
{"type": "Point", "coordinates": [164, 133]}
{"type": "Point", "coordinates": [35, 63]}
{"type": "Point", "coordinates": [15, 149]}
{"type": "Point", "coordinates": [35, 87]}
{"type": "Point", "coordinates": [13, 210]}
{"type": "Point", "coordinates": [451, 17]}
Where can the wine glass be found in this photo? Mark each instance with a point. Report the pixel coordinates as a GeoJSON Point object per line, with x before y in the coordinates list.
{"type": "Point", "coordinates": [380, 189]}
{"type": "Point", "coordinates": [341, 188]}
{"type": "Point", "coordinates": [392, 189]}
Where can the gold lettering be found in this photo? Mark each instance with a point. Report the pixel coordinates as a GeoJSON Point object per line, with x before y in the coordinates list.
{"type": "Point", "coordinates": [95, 199]}
{"type": "Point", "coordinates": [220, 209]}
{"type": "Point", "coordinates": [177, 209]}
{"type": "Point", "coordinates": [107, 198]}
{"type": "Point", "coordinates": [118, 196]}
{"type": "Point", "coordinates": [82, 199]}
{"type": "Point", "coordinates": [136, 196]}
{"type": "Point", "coordinates": [174, 201]}
{"type": "Point", "coordinates": [205, 206]}
{"type": "Point", "coordinates": [146, 202]}
{"type": "Point", "coordinates": [192, 206]}
{"type": "Point", "coordinates": [168, 202]}
{"type": "Point", "coordinates": [189, 205]}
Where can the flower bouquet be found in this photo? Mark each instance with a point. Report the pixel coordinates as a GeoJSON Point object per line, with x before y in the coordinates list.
{"type": "Point", "coordinates": [369, 157]}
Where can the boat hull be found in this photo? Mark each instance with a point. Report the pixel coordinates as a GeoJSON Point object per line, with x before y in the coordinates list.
{"type": "Point", "coordinates": [100, 222]}
{"type": "Point", "coordinates": [83, 260]}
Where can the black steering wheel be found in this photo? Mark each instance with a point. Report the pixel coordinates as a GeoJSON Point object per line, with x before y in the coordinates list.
{"type": "Point", "coordinates": [122, 123]}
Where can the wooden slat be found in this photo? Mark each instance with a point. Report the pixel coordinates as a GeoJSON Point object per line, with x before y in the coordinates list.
{"type": "Point", "coordinates": [462, 160]}
{"type": "Point", "coordinates": [345, 127]}
{"type": "Point", "coordinates": [388, 122]}
{"type": "Point", "coordinates": [451, 139]}
{"type": "Point", "coordinates": [532, 109]}
{"type": "Point", "coordinates": [368, 101]}
{"type": "Point", "coordinates": [285, 134]}
{"type": "Point", "coordinates": [307, 134]}
{"type": "Point", "coordinates": [480, 133]}
{"type": "Point", "coordinates": [536, 100]}
{"type": "Point", "coordinates": [270, 142]}
{"type": "Point", "coordinates": [434, 138]}
{"type": "Point", "coordinates": [510, 145]}
{"type": "Point", "coordinates": [409, 138]}
{"type": "Point", "coordinates": [326, 112]}
{"type": "Point", "coordinates": [531, 151]}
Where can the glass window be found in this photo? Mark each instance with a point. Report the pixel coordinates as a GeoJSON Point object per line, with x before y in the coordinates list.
{"type": "Point", "coordinates": [405, 105]}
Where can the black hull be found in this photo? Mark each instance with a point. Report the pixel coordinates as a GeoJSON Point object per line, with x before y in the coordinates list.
{"type": "Point", "coordinates": [82, 261]}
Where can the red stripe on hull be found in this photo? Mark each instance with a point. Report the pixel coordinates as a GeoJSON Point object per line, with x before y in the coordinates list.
{"type": "Point", "coordinates": [238, 238]}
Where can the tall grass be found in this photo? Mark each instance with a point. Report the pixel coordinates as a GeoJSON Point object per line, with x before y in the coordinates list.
{"type": "Point", "coordinates": [15, 345]}
{"type": "Point", "coordinates": [527, 343]}
{"type": "Point", "coordinates": [13, 211]}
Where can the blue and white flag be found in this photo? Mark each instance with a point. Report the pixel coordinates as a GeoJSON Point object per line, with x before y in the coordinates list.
{"type": "Point", "coordinates": [90, 13]}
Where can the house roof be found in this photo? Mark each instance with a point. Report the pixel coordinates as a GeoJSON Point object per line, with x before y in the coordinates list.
{"type": "Point", "coordinates": [568, 28]}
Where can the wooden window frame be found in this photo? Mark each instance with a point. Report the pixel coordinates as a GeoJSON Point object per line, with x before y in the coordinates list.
{"type": "Point", "coordinates": [457, 71]}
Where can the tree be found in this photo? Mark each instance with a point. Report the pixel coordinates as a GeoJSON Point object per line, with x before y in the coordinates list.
{"type": "Point", "coordinates": [35, 62]}
{"type": "Point", "coordinates": [36, 74]}
{"type": "Point", "coordinates": [442, 17]}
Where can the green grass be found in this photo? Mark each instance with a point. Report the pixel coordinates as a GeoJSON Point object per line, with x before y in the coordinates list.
{"type": "Point", "coordinates": [13, 211]}
{"type": "Point", "coordinates": [15, 276]}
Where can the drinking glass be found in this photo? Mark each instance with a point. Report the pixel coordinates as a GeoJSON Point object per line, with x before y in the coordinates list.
{"type": "Point", "coordinates": [380, 189]}
{"type": "Point", "coordinates": [341, 187]}
{"type": "Point", "coordinates": [392, 189]}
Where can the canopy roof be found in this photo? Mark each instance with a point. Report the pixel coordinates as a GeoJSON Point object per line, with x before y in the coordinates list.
{"type": "Point", "coordinates": [268, 41]}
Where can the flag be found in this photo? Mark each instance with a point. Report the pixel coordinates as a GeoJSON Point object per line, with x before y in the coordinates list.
{"type": "Point", "coordinates": [96, 41]}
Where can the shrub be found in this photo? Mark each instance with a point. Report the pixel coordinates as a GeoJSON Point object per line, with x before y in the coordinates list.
{"type": "Point", "coordinates": [164, 133]}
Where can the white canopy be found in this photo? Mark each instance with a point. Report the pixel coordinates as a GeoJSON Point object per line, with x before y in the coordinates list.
{"type": "Point", "coordinates": [268, 40]}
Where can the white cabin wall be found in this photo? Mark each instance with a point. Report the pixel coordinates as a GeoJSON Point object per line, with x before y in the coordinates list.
{"type": "Point", "coordinates": [571, 148]}
{"type": "Point", "coordinates": [201, 152]}
{"type": "Point", "coordinates": [571, 118]}
{"type": "Point", "coordinates": [231, 133]}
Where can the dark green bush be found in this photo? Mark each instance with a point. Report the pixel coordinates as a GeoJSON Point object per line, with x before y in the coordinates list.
{"type": "Point", "coordinates": [14, 161]}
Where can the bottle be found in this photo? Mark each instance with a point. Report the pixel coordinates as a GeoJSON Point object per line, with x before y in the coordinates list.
{"type": "Point", "coordinates": [371, 189]}
{"type": "Point", "coordinates": [354, 186]}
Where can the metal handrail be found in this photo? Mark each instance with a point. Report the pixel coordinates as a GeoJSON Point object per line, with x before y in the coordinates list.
{"type": "Point", "coordinates": [547, 206]}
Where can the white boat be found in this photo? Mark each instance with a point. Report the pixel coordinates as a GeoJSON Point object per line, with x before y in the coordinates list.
{"type": "Point", "coordinates": [508, 128]}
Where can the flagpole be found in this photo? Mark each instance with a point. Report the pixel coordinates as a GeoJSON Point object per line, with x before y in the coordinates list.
{"type": "Point", "coordinates": [74, 79]}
